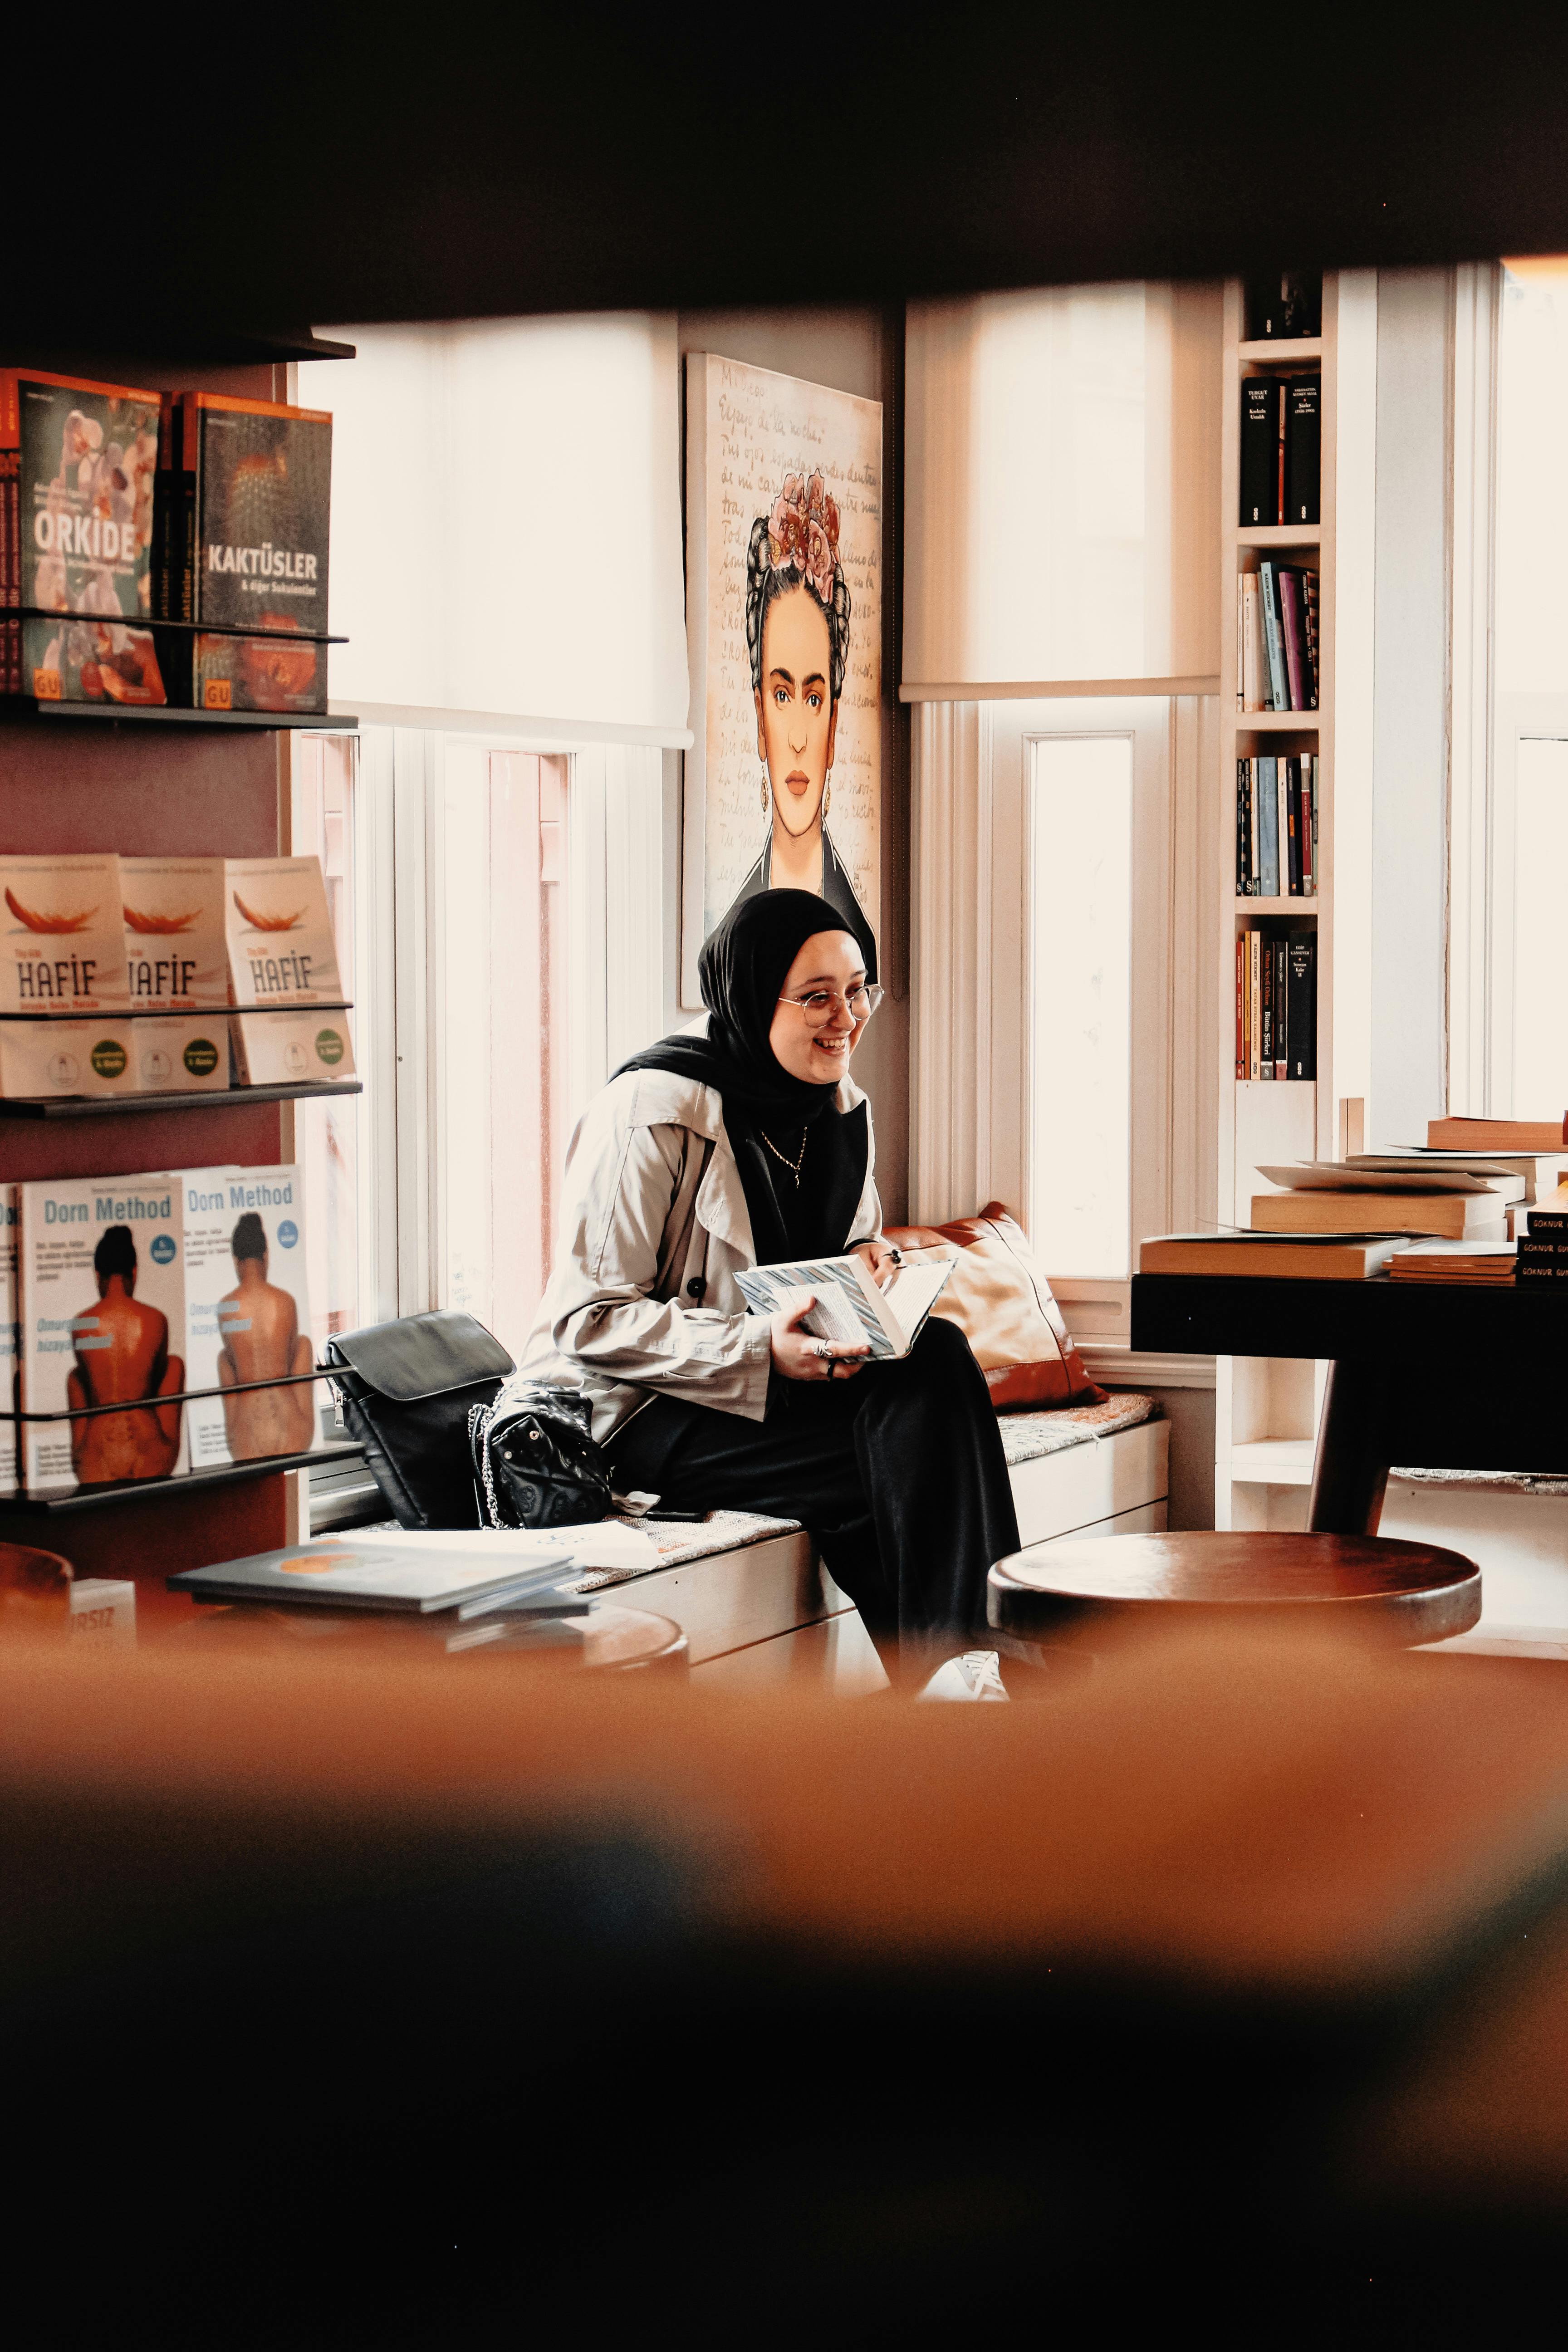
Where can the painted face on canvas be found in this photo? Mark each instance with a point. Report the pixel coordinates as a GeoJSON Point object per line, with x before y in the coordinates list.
{"type": "Point", "coordinates": [796, 715]}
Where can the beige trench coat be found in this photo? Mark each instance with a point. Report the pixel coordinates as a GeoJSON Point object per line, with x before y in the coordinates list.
{"type": "Point", "coordinates": [643, 1301]}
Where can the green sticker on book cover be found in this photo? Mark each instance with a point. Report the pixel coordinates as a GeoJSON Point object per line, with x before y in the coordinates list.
{"type": "Point", "coordinates": [329, 1046]}
{"type": "Point", "coordinates": [201, 1057]}
{"type": "Point", "coordinates": [109, 1058]}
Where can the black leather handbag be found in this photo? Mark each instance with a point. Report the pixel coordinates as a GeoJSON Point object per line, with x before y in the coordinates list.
{"type": "Point", "coordinates": [406, 1390]}
{"type": "Point", "coordinates": [535, 1464]}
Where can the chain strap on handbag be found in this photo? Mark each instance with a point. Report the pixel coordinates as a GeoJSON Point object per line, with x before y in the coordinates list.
{"type": "Point", "coordinates": [535, 1464]}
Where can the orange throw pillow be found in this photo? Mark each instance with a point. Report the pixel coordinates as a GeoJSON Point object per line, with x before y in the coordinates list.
{"type": "Point", "coordinates": [1001, 1303]}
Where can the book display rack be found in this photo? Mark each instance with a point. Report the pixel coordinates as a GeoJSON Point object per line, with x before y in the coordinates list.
{"type": "Point", "coordinates": [155, 781]}
{"type": "Point", "coordinates": [121, 1491]}
{"type": "Point", "coordinates": [1282, 939]}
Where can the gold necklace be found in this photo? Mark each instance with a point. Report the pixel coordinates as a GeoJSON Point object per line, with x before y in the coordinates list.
{"type": "Point", "coordinates": [793, 1165]}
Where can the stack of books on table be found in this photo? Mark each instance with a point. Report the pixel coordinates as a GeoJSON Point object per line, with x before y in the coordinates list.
{"type": "Point", "coordinates": [1454, 1262]}
{"type": "Point", "coordinates": [1287, 1257]}
{"type": "Point", "coordinates": [1543, 1244]}
{"type": "Point", "coordinates": [1327, 1196]}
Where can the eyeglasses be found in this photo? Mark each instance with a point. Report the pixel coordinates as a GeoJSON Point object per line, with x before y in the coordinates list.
{"type": "Point", "coordinates": [818, 1007]}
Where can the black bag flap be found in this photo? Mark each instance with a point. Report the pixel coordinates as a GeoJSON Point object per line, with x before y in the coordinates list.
{"type": "Point", "coordinates": [422, 1355]}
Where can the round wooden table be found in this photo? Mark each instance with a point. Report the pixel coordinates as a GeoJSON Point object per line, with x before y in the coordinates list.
{"type": "Point", "coordinates": [609, 1640]}
{"type": "Point", "coordinates": [1403, 1593]}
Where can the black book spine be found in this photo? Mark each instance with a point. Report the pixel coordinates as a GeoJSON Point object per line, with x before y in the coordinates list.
{"type": "Point", "coordinates": [1266, 1010]}
{"type": "Point", "coordinates": [1259, 451]}
{"type": "Point", "coordinates": [1293, 822]}
{"type": "Point", "coordinates": [1303, 449]}
{"type": "Point", "coordinates": [1303, 948]}
{"type": "Point", "coordinates": [1282, 1008]}
{"type": "Point", "coordinates": [1549, 1224]}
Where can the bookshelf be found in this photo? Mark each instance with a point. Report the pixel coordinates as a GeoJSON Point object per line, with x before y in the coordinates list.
{"type": "Point", "coordinates": [1266, 1411]}
{"type": "Point", "coordinates": [151, 782]}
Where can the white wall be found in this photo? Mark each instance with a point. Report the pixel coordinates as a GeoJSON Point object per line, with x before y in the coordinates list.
{"type": "Point", "coordinates": [1410, 724]}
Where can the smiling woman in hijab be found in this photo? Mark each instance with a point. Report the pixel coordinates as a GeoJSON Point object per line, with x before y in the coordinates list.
{"type": "Point", "coordinates": [744, 1141]}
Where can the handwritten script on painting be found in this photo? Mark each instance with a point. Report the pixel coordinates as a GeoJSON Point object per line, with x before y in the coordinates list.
{"type": "Point", "coordinates": [760, 427]}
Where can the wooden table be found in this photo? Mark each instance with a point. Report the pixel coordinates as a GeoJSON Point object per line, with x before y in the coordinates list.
{"type": "Point", "coordinates": [1440, 1376]}
{"type": "Point", "coordinates": [1402, 1593]}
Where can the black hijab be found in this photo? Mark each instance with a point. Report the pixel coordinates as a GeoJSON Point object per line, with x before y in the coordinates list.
{"type": "Point", "coordinates": [743, 968]}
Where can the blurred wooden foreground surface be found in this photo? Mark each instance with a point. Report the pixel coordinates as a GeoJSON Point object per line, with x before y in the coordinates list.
{"type": "Point", "coordinates": [1271, 1924]}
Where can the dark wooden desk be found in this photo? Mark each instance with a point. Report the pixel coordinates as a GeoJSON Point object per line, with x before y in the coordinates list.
{"type": "Point", "coordinates": [1441, 1376]}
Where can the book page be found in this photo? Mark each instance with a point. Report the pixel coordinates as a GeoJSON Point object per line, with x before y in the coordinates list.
{"type": "Point", "coordinates": [908, 1298]}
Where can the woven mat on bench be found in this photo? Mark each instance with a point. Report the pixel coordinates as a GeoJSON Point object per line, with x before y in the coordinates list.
{"type": "Point", "coordinates": [1025, 1437]}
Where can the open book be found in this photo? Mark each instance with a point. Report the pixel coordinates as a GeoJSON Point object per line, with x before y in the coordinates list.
{"type": "Point", "coordinates": [850, 1306]}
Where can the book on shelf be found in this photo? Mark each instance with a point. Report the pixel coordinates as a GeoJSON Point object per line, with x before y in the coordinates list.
{"type": "Point", "coordinates": [1528, 1135]}
{"type": "Point", "coordinates": [247, 1314]}
{"type": "Point", "coordinates": [1283, 305]}
{"type": "Point", "coordinates": [10, 1334]}
{"type": "Point", "coordinates": [1275, 1004]}
{"type": "Point", "coordinates": [65, 935]}
{"type": "Point", "coordinates": [1452, 1216]}
{"type": "Point", "coordinates": [339, 1573]}
{"type": "Point", "coordinates": [77, 541]}
{"type": "Point", "coordinates": [1453, 1261]}
{"type": "Point", "coordinates": [281, 946]}
{"type": "Point", "coordinates": [289, 1024]}
{"type": "Point", "coordinates": [102, 1306]}
{"type": "Point", "coordinates": [851, 1308]}
{"type": "Point", "coordinates": [1293, 634]}
{"type": "Point", "coordinates": [177, 945]}
{"type": "Point", "coordinates": [1259, 451]}
{"type": "Point", "coordinates": [10, 563]}
{"type": "Point", "coordinates": [1277, 804]}
{"type": "Point", "coordinates": [1266, 774]}
{"type": "Point", "coordinates": [1282, 450]}
{"type": "Point", "coordinates": [1251, 657]}
{"type": "Point", "coordinates": [1287, 674]}
{"type": "Point", "coordinates": [1299, 1258]}
{"type": "Point", "coordinates": [1273, 641]}
{"type": "Point", "coordinates": [1303, 449]}
{"type": "Point", "coordinates": [244, 542]}
{"type": "Point", "coordinates": [290, 1048]}
{"type": "Point", "coordinates": [54, 1059]}
{"type": "Point", "coordinates": [176, 954]}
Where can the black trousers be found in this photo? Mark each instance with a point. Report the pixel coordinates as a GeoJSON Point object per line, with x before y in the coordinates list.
{"type": "Point", "coordinates": [898, 1473]}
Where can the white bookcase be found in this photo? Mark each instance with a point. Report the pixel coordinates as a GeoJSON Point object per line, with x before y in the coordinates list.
{"type": "Point", "coordinates": [1267, 1410]}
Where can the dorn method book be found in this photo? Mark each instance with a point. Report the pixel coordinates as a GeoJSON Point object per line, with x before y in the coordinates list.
{"type": "Point", "coordinates": [247, 1314]}
{"type": "Point", "coordinates": [100, 1269]}
{"type": "Point", "coordinates": [850, 1306]}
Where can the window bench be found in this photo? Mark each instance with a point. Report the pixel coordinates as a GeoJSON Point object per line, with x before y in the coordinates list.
{"type": "Point", "coordinates": [757, 1606]}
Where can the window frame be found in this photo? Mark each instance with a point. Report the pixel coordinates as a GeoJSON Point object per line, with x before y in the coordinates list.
{"type": "Point", "coordinates": [971, 1047]}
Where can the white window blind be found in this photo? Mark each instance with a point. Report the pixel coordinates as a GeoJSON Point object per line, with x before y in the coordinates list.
{"type": "Point", "coordinates": [1062, 492]}
{"type": "Point", "coordinates": [506, 522]}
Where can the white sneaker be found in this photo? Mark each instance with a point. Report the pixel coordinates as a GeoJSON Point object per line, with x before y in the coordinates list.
{"type": "Point", "coordinates": [976, 1675]}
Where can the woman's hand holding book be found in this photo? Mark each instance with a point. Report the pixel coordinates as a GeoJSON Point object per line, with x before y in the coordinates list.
{"type": "Point", "coordinates": [800, 1355]}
